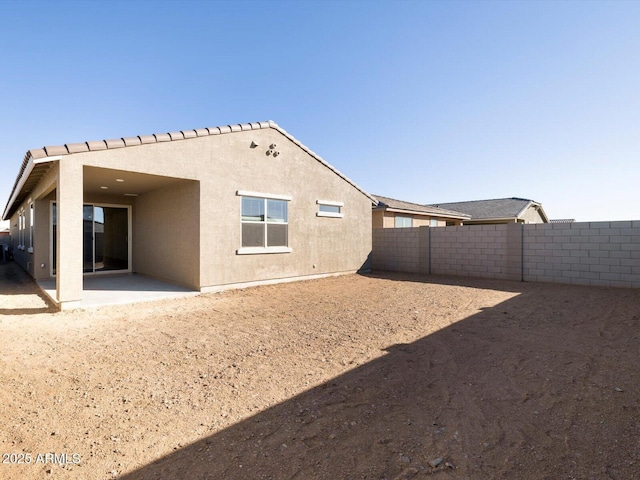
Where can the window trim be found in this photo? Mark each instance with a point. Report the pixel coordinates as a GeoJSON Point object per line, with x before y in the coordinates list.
{"type": "Point", "coordinates": [330, 203]}
{"type": "Point", "coordinates": [260, 250]}
{"type": "Point", "coordinates": [31, 222]}
{"type": "Point", "coordinates": [21, 228]}
{"type": "Point", "coordinates": [269, 196]}
{"type": "Point", "coordinates": [265, 197]}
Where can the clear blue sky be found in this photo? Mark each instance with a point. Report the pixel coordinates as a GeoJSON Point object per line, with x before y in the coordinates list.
{"type": "Point", "coordinates": [424, 101]}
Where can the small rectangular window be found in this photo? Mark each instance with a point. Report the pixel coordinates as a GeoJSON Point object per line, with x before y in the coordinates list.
{"type": "Point", "coordinates": [328, 208]}
{"type": "Point", "coordinates": [433, 222]}
{"type": "Point", "coordinates": [21, 227]}
{"type": "Point", "coordinates": [403, 222]}
{"type": "Point", "coordinates": [31, 228]}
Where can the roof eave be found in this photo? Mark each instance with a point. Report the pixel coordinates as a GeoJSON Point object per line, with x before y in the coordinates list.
{"type": "Point", "coordinates": [543, 214]}
{"type": "Point", "coordinates": [31, 162]}
{"type": "Point", "coordinates": [55, 152]}
{"type": "Point", "coordinates": [526, 206]}
{"type": "Point", "coordinates": [426, 214]}
{"type": "Point", "coordinates": [538, 207]}
{"type": "Point", "coordinates": [275, 126]}
{"type": "Point", "coordinates": [494, 219]}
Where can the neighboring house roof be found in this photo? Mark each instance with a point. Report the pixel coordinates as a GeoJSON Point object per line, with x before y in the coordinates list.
{"type": "Point", "coordinates": [400, 206]}
{"type": "Point", "coordinates": [495, 209]}
{"type": "Point", "coordinates": [36, 162]}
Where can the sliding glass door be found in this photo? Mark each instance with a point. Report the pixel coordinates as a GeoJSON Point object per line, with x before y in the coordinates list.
{"type": "Point", "coordinates": [105, 238]}
{"type": "Point", "coordinates": [111, 238]}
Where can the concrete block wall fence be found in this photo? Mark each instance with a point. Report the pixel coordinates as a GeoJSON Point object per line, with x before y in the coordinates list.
{"type": "Point", "coordinates": [477, 251]}
{"type": "Point", "coordinates": [400, 249]}
{"type": "Point", "coordinates": [584, 253]}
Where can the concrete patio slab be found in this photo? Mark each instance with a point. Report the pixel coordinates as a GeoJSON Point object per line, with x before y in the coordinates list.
{"type": "Point", "coordinates": [119, 289]}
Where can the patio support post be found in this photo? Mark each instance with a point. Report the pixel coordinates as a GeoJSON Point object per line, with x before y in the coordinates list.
{"type": "Point", "coordinates": [69, 200]}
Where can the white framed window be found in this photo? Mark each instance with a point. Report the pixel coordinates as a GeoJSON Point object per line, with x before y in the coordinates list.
{"type": "Point", "coordinates": [403, 222]}
{"type": "Point", "coordinates": [264, 220]}
{"type": "Point", "coordinates": [433, 222]}
{"type": "Point", "coordinates": [21, 227]}
{"type": "Point", "coordinates": [329, 208]}
{"type": "Point", "coordinates": [31, 211]}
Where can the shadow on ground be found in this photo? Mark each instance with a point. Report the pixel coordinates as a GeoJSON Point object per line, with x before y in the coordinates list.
{"type": "Point", "coordinates": [19, 293]}
{"type": "Point", "coordinates": [540, 386]}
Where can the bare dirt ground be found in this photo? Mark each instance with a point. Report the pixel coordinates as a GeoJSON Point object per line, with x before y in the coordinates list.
{"type": "Point", "coordinates": [356, 377]}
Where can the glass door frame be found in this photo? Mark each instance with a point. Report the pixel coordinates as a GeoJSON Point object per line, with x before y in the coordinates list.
{"type": "Point", "coordinates": [52, 271]}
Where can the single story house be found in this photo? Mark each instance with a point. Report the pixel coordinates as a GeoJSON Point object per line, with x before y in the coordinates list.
{"type": "Point", "coordinates": [392, 213]}
{"type": "Point", "coordinates": [499, 210]}
{"type": "Point", "coordinates": [207, 208]}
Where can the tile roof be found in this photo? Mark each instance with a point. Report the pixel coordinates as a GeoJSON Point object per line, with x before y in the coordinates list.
{"type": "Point", "coordinates": [386, 202]}
{"type": "Point", "coordinates": [488, 209]}
{"type": "Point", "coordinates": [92, 146]}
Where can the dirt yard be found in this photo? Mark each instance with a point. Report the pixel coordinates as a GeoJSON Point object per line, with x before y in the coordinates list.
{"type": "Point", "coordinates": [354, 377]}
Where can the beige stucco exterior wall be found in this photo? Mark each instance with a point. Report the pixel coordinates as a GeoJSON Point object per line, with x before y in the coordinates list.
{"type": "Point", "coordinates": [388, 220]}
{"type": "Point", "coordinates": [385, 219]}
{"type": "Point", "coordinates": [166, 234]}
{"type": "Point", "coordinates": [532, 215]}
{"type": "Point", "coordinates": [41, 251]}
{"type": "Point", "coordinates": [69, 198]}
{"type": "Point", "coordinates": [22, 256]}
{"type": "Point", "coordinates": [32, 260]}
{"type": "Point", "coordinates": [319, 244]}
{"type": "Point", "coordinates": [190, 232]}
{"type": "Point", "coordinates": [13, 229]}
{"type": "Point", "coordinates": [419, 221]}
{"type": "Point", "coordinates": [377, 218]}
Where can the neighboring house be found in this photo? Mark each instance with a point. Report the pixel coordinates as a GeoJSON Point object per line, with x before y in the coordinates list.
{"type": "Point", "coordinates": [206, 208]}
{"type": "Point", "coordinates": [391, 213]}
{"type": "Point", "coordinates": [500, 210]}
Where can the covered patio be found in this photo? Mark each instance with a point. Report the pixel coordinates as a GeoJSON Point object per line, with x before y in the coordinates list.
{"type": "Point", "coordinates": [119, 289]}
{"type": "Point", "coordinates": [91, 228]}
